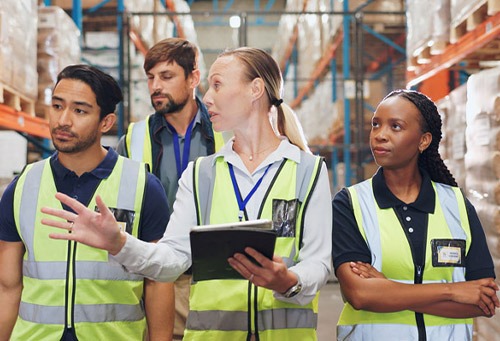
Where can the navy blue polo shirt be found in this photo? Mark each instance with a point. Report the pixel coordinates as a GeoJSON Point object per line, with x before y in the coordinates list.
{"type": "Point", "coordinates": [348, 245]}
{"type": "Point", "coordinates": [155, 211]}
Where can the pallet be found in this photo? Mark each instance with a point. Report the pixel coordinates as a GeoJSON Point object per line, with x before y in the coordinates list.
{"type": "Point", "coordinates": [477, 16]}
{"type": "Point", "coordinates": [16, 100]}
{"type": "Point", "coordinates": [423, 54]}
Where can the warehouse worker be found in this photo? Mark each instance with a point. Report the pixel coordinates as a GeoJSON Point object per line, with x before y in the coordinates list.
{"type": "Point", "coordinates": [52, 290]}
{"type": "Point", "coordinates": [413, 224]}
{"type": "Point", "coordinates": [178, 132]}
{"type": "Point", "coordinates": [265, 171]}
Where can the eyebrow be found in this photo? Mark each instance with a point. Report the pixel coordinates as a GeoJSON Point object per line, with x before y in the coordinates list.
{"type": "Point", "coordinates": [85, 104]}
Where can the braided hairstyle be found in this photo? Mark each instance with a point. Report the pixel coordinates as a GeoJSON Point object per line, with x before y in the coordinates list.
{"type": "Point", "coordinates": [430, 160]}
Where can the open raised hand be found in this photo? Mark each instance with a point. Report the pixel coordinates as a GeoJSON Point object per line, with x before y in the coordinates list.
{"type": "Point", "coordinates": [99, 230]}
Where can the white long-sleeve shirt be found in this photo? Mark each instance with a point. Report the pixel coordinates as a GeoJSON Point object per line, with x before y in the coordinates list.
{"type": "Point", "coordinates": [171, 256]}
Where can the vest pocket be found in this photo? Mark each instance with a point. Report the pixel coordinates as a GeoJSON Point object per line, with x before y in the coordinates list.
{"type": "Point", "coordinates": [285, 216]}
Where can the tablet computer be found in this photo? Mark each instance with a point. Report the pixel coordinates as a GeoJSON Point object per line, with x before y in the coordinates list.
{"type": "Point", "coordinates": [212, 245]}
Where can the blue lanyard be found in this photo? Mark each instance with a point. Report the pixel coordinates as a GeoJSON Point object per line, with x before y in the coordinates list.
{"type": "Point", "coordinates": [242, 203]}
{"type": "Point", "coordinates": [177, 149]}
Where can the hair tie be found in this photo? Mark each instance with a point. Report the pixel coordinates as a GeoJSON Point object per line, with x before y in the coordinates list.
{"type": "Point", "coordinates": [278, 102]}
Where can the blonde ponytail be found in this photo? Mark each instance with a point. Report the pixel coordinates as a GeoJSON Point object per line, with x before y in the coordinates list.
{"type": "Point", "coordinates": [289, 125]}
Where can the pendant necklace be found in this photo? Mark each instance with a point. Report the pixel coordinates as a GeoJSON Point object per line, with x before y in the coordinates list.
{"type": "Point", "coordinates": [251, 156]}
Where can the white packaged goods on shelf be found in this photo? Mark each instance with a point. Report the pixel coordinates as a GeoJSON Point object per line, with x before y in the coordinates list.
{"type": "Point", "coordinates": [101, 40]}
{"type": "Point", "coordinates": [452, 147]}
{"type": "Point", "coordinates": [13, 147]}
{"type": "Point", "coordinates": [58, 47]}
{"type": "Point", "coordinates": [18, 22]}
{"type": "Point", "coordinates": [482, 162]}
{"type": "Point", "coordinates": [428, 23]}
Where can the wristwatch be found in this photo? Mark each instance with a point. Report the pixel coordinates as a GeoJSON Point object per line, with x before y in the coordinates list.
{"type": "Point", "coordinates": [293, 291]}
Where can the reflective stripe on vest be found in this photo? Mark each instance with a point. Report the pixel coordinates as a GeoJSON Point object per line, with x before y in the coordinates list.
{"type": "Point", "coordinates": [138, 142]}
{"type": "Point", "coordinates": [391, 254]}
{"type": "Point", "coordinates": [105, 295]}
{"type": "Point", "coordinates": [228, 315]}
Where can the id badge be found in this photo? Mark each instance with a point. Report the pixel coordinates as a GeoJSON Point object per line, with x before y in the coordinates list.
{"type": "Point", "coordinates": [448, 252]}
{"type": "Point", "coordinates": [285, 216]}
{"type": "Point", "coordinates": [124, 218]}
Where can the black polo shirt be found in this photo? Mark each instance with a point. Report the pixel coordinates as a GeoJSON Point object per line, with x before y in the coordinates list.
{"type": "Point", "coordinates": [348, 245]}
{"type": "Point", "coordinates": [154, 216]}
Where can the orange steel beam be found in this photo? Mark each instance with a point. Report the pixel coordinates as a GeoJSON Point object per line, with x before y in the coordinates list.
{"type": "Point", "coordinates": [136, 39]}
{"type": "Point", "coordinates": [454, 53]}
{"type": "Point", "coordinates": [171, 6]}
{"type": "Point", "coordinates": [318, 71]}
{"type": "Point", "coordinates": [20, 121]}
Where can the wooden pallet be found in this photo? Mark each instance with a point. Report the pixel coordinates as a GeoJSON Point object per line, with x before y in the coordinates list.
{"type": "Point", "coordinates": [16, 100]}
{"type": "Point", "coordinates": [477, 16]}
{"type": "Point", "coordinates": [423, 54]}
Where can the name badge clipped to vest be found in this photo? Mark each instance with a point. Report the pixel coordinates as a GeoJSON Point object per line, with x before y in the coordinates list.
{"type": "Point", "coordinates": [448, 252]}
{"type": "Point", "coordinates": [285, 216]}
{"type": "Point", "coordinates": [124, 218]}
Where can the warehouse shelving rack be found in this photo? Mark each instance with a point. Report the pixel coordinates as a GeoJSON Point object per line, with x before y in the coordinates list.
{"type": "Point", "coordinates": [471, 46]}
{"type": "Point", "coordinates": [347, 47]}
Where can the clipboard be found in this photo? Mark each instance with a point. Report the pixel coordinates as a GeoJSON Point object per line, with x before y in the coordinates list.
{"type": "Point", "coordinates": [212, 245]}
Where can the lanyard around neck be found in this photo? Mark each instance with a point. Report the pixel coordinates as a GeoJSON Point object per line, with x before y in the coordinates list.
{"type": "Point", "coordinates": [242, 203]}
{"type": "Point", "coordinates": [181, 164]}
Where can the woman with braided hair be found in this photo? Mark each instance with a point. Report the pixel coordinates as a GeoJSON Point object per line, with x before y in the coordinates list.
{"type": "Point", "coordinates": [408, 248]}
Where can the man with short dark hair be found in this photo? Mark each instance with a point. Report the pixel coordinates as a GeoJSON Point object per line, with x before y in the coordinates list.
{"type": "Point", "coordinates": [53, 290]}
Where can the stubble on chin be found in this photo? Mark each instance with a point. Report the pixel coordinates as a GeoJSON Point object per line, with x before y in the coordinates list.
{"type": "Point", "coordinates": [169, 107]}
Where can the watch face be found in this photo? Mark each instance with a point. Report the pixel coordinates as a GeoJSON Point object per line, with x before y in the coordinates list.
{"type": "Point", "coordinates": [293, 290]}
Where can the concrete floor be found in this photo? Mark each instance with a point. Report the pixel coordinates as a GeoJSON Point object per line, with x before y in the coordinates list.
{"type": "Point", "coordinates": [330, 306]}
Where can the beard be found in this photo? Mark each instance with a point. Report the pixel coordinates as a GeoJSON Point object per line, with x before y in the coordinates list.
{"type": "Point", "coordinates": [170, 107]}
{"type": "Point", "coordinates": [70, 147]}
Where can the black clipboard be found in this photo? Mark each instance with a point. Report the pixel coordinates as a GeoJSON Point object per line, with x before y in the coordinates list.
{"type": "Point", "coordinates": [212, 245]}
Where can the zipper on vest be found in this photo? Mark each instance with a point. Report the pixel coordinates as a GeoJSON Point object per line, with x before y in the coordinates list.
{"type": "Point", "coordinates": [70, 285]}
{"type": "Point", "coordinates": [252, 310]}
{"type": "Point", "coordinates": [255, 313]}
{"type": "Point", "coordinates": [249, 311]}
{"type": "Point", "coordinates": [417, 279]}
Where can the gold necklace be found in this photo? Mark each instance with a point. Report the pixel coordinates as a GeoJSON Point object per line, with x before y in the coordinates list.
{"type": "Point", "coordinates": [251, 156]}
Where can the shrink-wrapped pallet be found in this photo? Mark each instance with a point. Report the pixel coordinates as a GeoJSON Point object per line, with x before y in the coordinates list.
{"type": "Point", "coordinates": [452, 147]}
{"type": "Point", "coordinates": [58, 46]}
{"type": "Point", "coordinates": [428, 23]}
{"type": "Point", "coordinates": [18, 22]}
{"type": "Point", "coordinates": [482, 162]}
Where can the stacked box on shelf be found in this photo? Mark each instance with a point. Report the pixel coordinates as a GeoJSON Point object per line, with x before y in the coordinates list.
{"type": "Point", "coordinates": [452, 147]}
{"type": "Point", "coordinates": [58, 47]}
{"type": "Point", "coordinates": [482, 162]}
{"type": "Point", "coordinates": [428, 23]}
{"type": "Point", "coordinates": [18, 22]}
